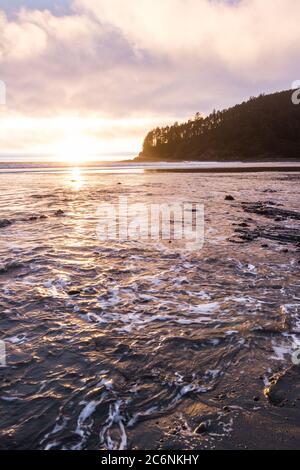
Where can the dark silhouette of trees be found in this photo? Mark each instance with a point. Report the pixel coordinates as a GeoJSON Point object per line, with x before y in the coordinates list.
{"type": "Point", "coordinates": [263, 128]}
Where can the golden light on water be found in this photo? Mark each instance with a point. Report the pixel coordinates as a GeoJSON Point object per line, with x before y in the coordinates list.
{"type": "Point", "coordinates": [75, 179]}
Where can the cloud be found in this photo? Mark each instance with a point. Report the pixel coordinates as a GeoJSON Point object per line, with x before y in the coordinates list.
{"type": "Point", "coordinates": [240, 33]}
{"type": "Point", "coordinates": [20, 40]}
{"type": "Point", "coordinates": [143, 58]}
{"type": "Point", "coordinates": [111, 54]}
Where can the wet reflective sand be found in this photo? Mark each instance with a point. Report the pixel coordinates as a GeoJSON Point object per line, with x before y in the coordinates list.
{"type": "Point", "coordinates": [134, 345]}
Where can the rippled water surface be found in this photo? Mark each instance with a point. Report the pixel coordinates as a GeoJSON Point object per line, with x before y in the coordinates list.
{"type": "Point", "coordinates": [132, 345]}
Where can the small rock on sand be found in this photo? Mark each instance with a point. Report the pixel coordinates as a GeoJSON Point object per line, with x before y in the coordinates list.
{"type": "Point", "coordinates": [226, 409]}
{"type": "Point", "coordinates": [4, 223]}
{"type": "Point", "coordinates": [59, 213]}
{"type": "Point", "coordinates": [202, 428]}
{"type": "Point", "coordinates": [75, 291]}
{"type": "Point", "coordinates": [285, 388]}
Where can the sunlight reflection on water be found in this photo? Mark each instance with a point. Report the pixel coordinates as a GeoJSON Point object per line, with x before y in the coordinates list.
{"type": "Point", "coordinates": [77, 180]}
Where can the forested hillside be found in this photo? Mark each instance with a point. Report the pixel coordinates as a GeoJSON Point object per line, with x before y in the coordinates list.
{"type": "Point", "coordinates": [263, 128]}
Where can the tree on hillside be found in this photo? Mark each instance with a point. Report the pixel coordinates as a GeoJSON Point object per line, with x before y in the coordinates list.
{"type": "Point", "coordinates": [264, 127]}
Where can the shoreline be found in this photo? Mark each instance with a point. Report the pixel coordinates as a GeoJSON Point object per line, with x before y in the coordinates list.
{"type": "Point", "coordinates": [152, 167]}
{"type": "Point", "coordinates": [230, 170]}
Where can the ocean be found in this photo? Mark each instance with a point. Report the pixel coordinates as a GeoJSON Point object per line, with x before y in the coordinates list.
{"type": "Point", "coordinates": [145, 344]}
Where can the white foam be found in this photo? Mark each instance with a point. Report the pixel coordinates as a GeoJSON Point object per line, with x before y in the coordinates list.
{"type": "Point", "coordinates": [86, 412]}
{"type": "Point", "coordinates": [281, 351]}
{"type": "Point", "coordinates": [114, 418]}
{"type": "Point", "coordinates": [20, 339]}
{"type": "Point", "coordinates": [205, 309]}
{"type": "Point", "coordinates": [142, 414]}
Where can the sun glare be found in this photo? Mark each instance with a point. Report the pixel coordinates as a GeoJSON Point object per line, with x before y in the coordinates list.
{"type": "Point", "coordinates": [75, 179]}
{"type": "Point", "coordinates": [77, 149]}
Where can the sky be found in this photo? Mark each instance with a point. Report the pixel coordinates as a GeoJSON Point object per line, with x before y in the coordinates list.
{"type": "Point", "coordinates": [93, 76]}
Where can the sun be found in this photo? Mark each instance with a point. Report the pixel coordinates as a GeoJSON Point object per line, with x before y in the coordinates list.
{"type": "Point", "coordinates": [77, 149]}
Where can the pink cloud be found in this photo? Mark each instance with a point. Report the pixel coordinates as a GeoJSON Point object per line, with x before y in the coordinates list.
{"type": "Point", "coordinates": [117, 59]}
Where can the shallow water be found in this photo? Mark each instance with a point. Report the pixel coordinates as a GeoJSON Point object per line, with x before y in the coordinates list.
{"type": "Point", "coordinates": [127, 345]}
